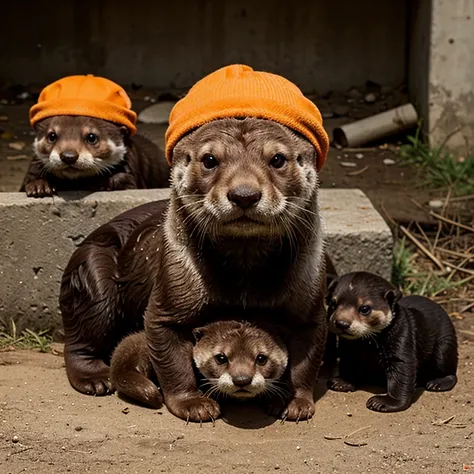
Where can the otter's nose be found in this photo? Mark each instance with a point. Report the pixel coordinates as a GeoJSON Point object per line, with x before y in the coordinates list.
{"type": "Point", "coordinates": [342, 324]}
{"type": "Point", "coordinates": [244, 196]}
{"type": "Point", "coordinates": [242, 380]}
{"type": "Point", "coordinates": [69, 157]}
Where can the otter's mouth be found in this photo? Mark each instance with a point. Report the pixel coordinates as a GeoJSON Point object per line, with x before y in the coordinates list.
{"type": "Point", "coordinates": [243, 393]}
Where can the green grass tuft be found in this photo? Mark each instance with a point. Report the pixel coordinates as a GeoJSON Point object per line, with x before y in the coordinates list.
{"type": "Point", "coordinates": [440, 168]}
{"type": "Point", "coordinates": [28, 339]}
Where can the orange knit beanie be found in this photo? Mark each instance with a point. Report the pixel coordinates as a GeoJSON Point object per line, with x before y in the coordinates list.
{"type": "Point", "coordinates": [85, 95]}
{"type": "Point", "coordinates": [239, 91]}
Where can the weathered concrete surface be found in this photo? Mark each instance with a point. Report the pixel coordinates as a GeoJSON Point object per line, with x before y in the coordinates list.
{"type": "Point", "coordinates": [320, 45]}
{"type": "Point", "coordinates": [37, 237]}
{"type": "Point", "coordinates": [442, 70]}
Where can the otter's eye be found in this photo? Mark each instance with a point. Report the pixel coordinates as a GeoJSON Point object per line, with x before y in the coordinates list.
{"type": "Point", "coordinates": [261, 359]}
{"type": "Point", "coordinates": [278, 161]}
{"type": "Point", "coordinates": [221, 359]}
{"type": "Point", "coordinates": [92, 138]}
{"type": "Point", "coordinates": [365, 310]}
{"type": "Point", "coordinates": [51, 137]}
{"type": "Point", "coordinates": [333, 302]}
{"type": "Point", "coordinates": [209, 161]}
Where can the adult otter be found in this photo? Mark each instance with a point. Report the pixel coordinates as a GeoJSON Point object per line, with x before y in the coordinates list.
{"type": "Point", "coordinates": [242, 230]}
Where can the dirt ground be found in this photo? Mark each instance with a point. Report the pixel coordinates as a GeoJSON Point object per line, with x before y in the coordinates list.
{"type": "Point", "coordinates": [47, 427]}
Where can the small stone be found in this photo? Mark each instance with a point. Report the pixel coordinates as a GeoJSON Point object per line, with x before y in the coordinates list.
{"type": "Point", "coordinates": [157, 113]}
{"type": "Point", "coordinates": [389, 161]}
{"type": "Point", "coordinates": [349, 414]}
{"type": "Point", "coordinates": [347, 164]}
{"type": "Point", "coordinates": [18, 146]}
{"type": "Point", "coordinates": [15, 439]}
{"type": "Point", "coordinates": [354, 93]}
{"type": "Point", "coordinates": [125, 411]}
{"type": "Point", "coordinates": [359, 156]}
{"type": "Point", "coordinates": [341, 110]}
{"type": "Point", "coordinates": [370, 98]}
{"type": "Point", "coordinates": [436, 204]}
{"type": "Point", "coordinates": [436, 445]}
{"type": "Point", "coordinates": [78, 428]}
{"type": "Point", "coordinates": [298, 447]}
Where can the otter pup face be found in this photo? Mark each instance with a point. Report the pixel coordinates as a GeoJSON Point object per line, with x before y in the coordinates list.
{"type": "Point", "coordinates": [79, 147]}
{"type": "Point", "coordinates": [360, 304]}
{"type": "Point", "coordinates": [244, 177]}
{"type": "Point", "coordinates": [238, 359]}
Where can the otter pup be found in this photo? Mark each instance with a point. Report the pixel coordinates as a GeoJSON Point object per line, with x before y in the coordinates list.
{"type": "Point", "coordinates": [232, 358]}
{"type": "Point", "coordinates": [84, 127]}
{"type": "Point", "coordinates": [242, 230]}
{"type": "Point", "coordinates": [387, 339]}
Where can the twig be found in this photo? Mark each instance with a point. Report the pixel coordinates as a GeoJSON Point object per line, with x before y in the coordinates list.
{"type": "Point", "coordinates": [462, 198]}
{"type": "Point", "coordinates": [26, 448]}
{"type": "Point", "coordinates": [332, 437]}
{"type": "Point", "coordinates": [349, 443]}
{"type": "Point", "coordinates": [443, 422]}
{"type": "Point", "coordinates": [450, 221]}
{"type": "Point", "coordinates": [459, 269]}
{"type": "Point", "coordinates": [356, 431]}
{"type": "Point", "coordinates": [466, 308]}
{"type": "Point", "coordinates": [464, 331]}
{"type": "Point", "coordinates": [422, 247]}
{"type": "Point", "coordinates": [470, 256]}
{"type": "Point", "coordinates": [355, 173]}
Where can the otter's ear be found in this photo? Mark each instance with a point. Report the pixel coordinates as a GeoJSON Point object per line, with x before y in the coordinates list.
{"type": "Point", "coordinates": [392, 296]}
{"type": "Point", "coordinates": [125, 132]}
{"type": "Point", "coordinates": [198, 333]}
{"type": "Point", "coordinates": [331, 287]}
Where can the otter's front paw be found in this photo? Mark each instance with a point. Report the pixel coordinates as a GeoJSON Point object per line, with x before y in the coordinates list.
{"type": "Point", "coordinates": [119, 182]}
{"type": "Point", "coordinates": [39, 188]}
{"type": "Point", "coordinates": [91, 377]}
{"type": "Point", "coordinates": [386, 404]}
{"type": "Point", "coordinates": [298, 409]}
{"type": "Point", "coordinates": [196, 409]}
{"type": "Point", "coordinates": [340, 385]}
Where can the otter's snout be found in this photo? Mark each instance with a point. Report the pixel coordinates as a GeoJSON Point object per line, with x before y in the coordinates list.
{"type": "Point", "coordinates": [342, 324]}
{"type": "Point", "coordinates": [242, 380]}
{"type": "Point", "coordinates": [69, 157]}
{"type": "Point", "coordinates": [244, 196]}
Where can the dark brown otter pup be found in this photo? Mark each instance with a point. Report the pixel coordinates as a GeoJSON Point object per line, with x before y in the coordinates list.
{"type": "Point", "coordinates": [235, 359]}
{"type": "Point", "coordinates": [85, 153]}
{"type": "Point", "coordinates": [387, 339]}
{"type": "Point", "coordinates": [242, 230]}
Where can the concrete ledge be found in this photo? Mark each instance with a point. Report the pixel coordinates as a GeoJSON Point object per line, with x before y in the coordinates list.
{"type": "Point", "coordinates": [37, 237]}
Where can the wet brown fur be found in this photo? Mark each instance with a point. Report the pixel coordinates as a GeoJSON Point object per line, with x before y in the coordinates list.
{"type": "Point", "coordinates": [137, 163]}
{"type": "Point", "coordinates": [180, 265]}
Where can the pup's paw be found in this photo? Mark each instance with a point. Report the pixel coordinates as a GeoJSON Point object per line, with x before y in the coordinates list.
{"type": "Point", "coordinates": [386, 404]}
{"type": "Point", "coordinates": [39, 188]}
{"type": "Point", "coordinates": [339, 385]}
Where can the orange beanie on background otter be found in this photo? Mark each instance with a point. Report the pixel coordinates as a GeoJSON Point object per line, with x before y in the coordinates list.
{"type": "Point", "coordinates": [239, 91]}
{"type": "Point", "coordinates": [88, 96]}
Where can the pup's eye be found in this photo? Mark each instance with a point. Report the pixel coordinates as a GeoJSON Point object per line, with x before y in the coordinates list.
{"type": "Point", "coordinates": [92, 138]}
{"type": "Point", "coordinates": [51, 137]}
{"type": "Point", "coordinates": [365, 310]}
{"type": "Point", "coordinates": [221, 359]}
{"type": "Point", "coordinates": [278, 161]}
{"type": "Point", "coordinates": [261, 359]}
{"type": "Point", "coordinates": [209, 161]}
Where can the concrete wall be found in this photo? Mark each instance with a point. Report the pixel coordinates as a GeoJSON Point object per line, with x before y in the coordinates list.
{"type": "Point", "coordinates": [320, 45]}
{"type": "Point", "coordinates": [37, 237]}
{"type": "Point", "coordinates": [441, 71]}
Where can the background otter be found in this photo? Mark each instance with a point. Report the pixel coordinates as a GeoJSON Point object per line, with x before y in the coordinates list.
{"type": "Point", "coordinates": [236, 359]}
{"type": "Point", "coordinates": [243, 230]}
{"type": "Point", "coordinates": [85, 153]}
{"type": "Point", "coordinates": [390, 340]}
